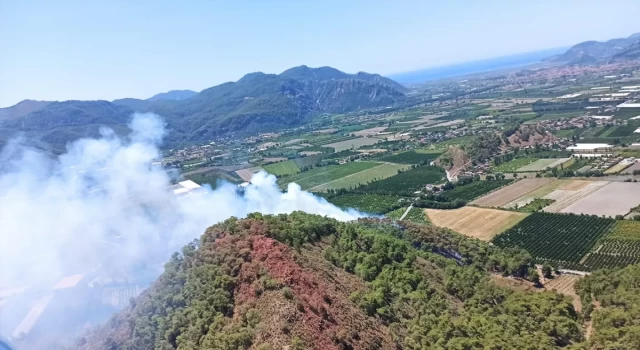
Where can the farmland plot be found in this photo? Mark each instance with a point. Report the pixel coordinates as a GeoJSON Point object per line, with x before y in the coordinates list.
{"type": "Point", "coordinates": [353, 143]}
{"type": "Point", "coordinates": [616, 168]}
{"type": "Point", "coordinates": [564, 284]}
{"type": "Point", "coordinates": [329, 174]}
{"type": "Point", "coordinates": [376, 173]}
{"type": "Point", "coordinates": [370, 132]}
{"type": "Point", "coordinates": [511, 192]}
{"type": "Point", "coordinates": [556, 237]}
{"type": "Point", "coordinates": [542, 164]}
{"type": "Point", "coordinates": [634, 166]}
{"type": "Point", "coordinates": [616, 198]}
{"type": "Point", "coordinates": [246, 174]}
{"type": "Point", "coordinates": [565, 198]}
{"type": "Point", "coordinates": [541, 192]}
{"type": "Point", "coordinates": [474, 222]}
{"type": "Point", "coordinates": [286, 167]}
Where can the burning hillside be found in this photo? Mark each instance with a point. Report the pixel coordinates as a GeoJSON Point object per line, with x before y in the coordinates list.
{"type": "Point", "coordinates": [301, 281]}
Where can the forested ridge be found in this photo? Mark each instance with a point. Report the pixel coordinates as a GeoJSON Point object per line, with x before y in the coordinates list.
{"type": "Point", "coordinates": [309, 282]}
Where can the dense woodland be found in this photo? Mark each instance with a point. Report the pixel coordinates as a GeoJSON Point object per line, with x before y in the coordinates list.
{"type": "Point", "coordinates": [360, 285]}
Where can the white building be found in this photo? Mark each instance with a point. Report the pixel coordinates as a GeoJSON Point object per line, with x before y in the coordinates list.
{"type": "Point", "coordinates": [590, 148]}
{"type": "Point", "coordinates": [184, 187]}
{"type": "Point", "coordinates": [628, 105]}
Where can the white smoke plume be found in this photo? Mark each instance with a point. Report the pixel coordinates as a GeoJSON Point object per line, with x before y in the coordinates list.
{"type": "Point", "coordinates": [102, 203]}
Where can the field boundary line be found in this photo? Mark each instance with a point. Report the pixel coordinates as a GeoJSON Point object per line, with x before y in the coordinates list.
{"type": "Point", "coordinates": [344, 177]}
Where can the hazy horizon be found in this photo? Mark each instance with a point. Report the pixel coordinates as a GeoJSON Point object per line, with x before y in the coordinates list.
{"type": "Point", "coordinates": [88, 51]}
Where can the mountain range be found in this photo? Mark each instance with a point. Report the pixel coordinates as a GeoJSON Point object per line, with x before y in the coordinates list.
{"type": "Point", "coordinates": [592, 52]}
{"type": "Point", "coordinates": [256, 102]}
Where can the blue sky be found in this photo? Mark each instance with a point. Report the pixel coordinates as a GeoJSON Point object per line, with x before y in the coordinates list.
{"type": "Point", "coordinates": [58, 50]}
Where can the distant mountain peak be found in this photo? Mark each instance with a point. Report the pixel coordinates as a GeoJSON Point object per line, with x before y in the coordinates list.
{"type": "Point", "coordinates": [592, 52]}
{"type": "Point", "coordinates": [22, 108]}
{"type": "Point", "coordinates": [307, 73]}
{"type": "Point", "coordinates": [325, 73]}
{"type": "Point", "coordinates": [173, 95]}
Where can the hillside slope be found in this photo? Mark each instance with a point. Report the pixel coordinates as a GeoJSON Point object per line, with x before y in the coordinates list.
{"type": "Point", "coordinates": [58, 123]}
{"type": "Point", "coordinates": [590, 52]}
{"type": "Point", "coordinates": [22, 108]}
{"type": "Point", "coordinates": [258, 102]}
{"type": "Point", "coordinates": [301, 281]}
{"type": "Point", "coordinates": [173, 95]}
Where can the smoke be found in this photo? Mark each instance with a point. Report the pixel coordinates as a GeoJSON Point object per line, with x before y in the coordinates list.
{"type": "Point", "coordinates": [102, 204]}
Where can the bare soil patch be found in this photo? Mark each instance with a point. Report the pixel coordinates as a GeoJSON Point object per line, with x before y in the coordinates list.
{"type": "Point", "coordinates": [564, 284]}
{"type": "Point", "coordinates": [481, 223]}
{"type": "Point", "coordinates": [574, 185]}
{"type": "Point", "coordinates": [616, 198]}
{"type": "Point", "coordinates": [371, 131]}
{"type": "Point", "coordinates": [511, 192]}
{"type": "Point", "coordinates": [246, 174]}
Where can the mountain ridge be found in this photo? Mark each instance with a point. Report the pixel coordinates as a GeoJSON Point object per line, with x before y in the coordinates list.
{"type": "Point", "coordinates": [257, 102]}
{"type": "Point", "coordinates": [592, 51]}
{"type": "Point", "coordinates": [173, 95]}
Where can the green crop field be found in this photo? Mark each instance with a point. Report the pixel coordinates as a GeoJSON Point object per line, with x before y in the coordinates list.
{"type": "Point", "coordinates": [621, 247]}
{"type": "Point", "coordinates": [288, 167]}
{"type": "Point", "coordinates": [309, 161]}
{"type": "Point", "coordinates": [379, 172]}
{"type": "Point", "coordinates": [322, 175]}
{"type": "Point", "coordinates": [409, 157]}
{"type": "Point", "coordinates": [475, 189]}
{"type": "Point", "coordinates": [415, 215]}
{"type": "Point", "coordinates": [623, 130]}
{"type": "Point", "coordinates": [515, 164]}
{"type": "Point", "coordinates": [369, 203]}
{"type": "Point", "coordinates": [214, 177]}
{"type": "Point", "coordinates": [556, 237]}
{"type": "Point", "coordinates": [409, 180]}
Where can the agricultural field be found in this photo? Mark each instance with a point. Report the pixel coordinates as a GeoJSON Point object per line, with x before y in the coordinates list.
{"type": "Point", "coordinates": [632, 168]}
{"type": "Point", "coordinates": [611, 255]}
{"type": "Point", "coordinates": [548, 188]}
{"type": "Point", "coordinates": [212, 177]}
{"type": "Point", "coordinates": [600, 198]}
{"type": "Point", "coordinates": [371, 131]}
{"type": "Point", "coordinates": [542, 164]}
{"type": "Point", "coordinates": [621, 247]}
{"type": "Point", "coordinates": [377, 173]}
{"type": "Point", "coordinates": [565, 197]}
{"type": "Point", "coordinates": [246, 174]}
{"type": "Point", "coordinates": [515, 164]}
{"type": "Point", "coordinates": [536, 204]}
{"type": "Point", "coordinates": [322, 175]}
{"type": "Point", "coordinates": [288, 167]}
{"type": "Point", "coordinates": [564, 284]}
{"type": "Point", "coordinates": [625, 230]}
{"type": "Point", "coordinates": [475, 189]}
{"type": "Point", "coordinates": [623, 130]}
{"type": "Point", "coordinates": [368, 203]}
{"type": "Point", "coordinates": [352, 143]}
{"type": "Point", "coordinates": [310, 160]}
{"type": "Point", "coordinates": [475, 222]}
{"type": "Point", "coordinates": [396, 214]}
{"type": "Point", "coordinates": [409, 180]}
{"type": "Point", "coordinates": [409, 157]}
{"type": "Point", "coordinates": [415, 214]}
{"type": "Point", "coordinates": [510, 193]}
{"type": "Point", "coordinates": [616, 169]}
{"type": "Point", "coordinates": [556, 237]}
